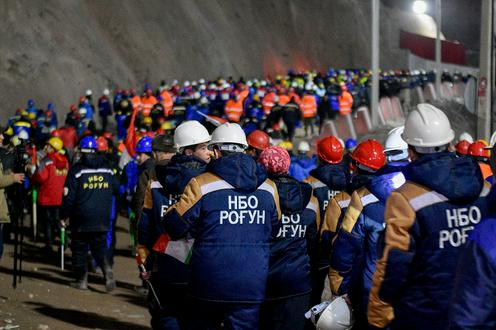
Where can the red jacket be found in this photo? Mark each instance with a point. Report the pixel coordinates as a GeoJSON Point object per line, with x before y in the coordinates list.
{"type": "Point", "coordinates": [50, 176]}
{"type": "Point", "coordinates": [69, 137]}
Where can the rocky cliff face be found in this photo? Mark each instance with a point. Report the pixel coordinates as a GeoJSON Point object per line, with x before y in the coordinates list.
{"type": "Point", "coordinates": [53, 50]}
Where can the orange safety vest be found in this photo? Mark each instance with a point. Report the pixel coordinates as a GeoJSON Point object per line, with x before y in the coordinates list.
{"type": "Point", "coordinates": [167, 102]}
{"type": "Point", "coordinates": [148, 103]}
{"type": "Point", "coordinates": [486, 170]}
{"type": "Point", "coordinates": [284, 99]}
{"type": "Point", "coordinates": [233, 110]}
{"type": "Point", "coordinates": [308, 106]}
{"type": "Point", "coordinates": [295, 97]}
{"type": "Point", "coordinates": [345, 103]}
{"type": "Point", "coordinates": [268, 102]}
{"type": "Point", "coordinates": [136, 101]}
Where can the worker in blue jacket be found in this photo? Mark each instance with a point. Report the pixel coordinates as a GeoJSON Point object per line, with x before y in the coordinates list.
{"type": "Point", "coordinates": [474, 295]}
{"type": "Point", "coordinates": [289, 284]}
{"type": "Point", "coordinates": [230, 211]}
{"type": "Point", "coordinates": [168, 270]}
{"type": "Point", "coordinates": [428, 221]}
{"type": "Point", "coordinates": [354, 251]}
{"type": "Point", "coordinates": [327, 180]}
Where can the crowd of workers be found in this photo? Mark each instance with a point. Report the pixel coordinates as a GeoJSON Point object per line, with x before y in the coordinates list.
{"type": "Point", "coordinates": [228, 221]}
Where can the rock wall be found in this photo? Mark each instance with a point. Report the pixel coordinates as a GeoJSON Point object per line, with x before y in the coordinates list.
{"type": "Point", "coordinates": [53, 50]}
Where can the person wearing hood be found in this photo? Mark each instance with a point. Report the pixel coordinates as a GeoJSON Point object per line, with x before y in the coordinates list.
{"type": "Point", "coordinates": [427, 221]}
{"type": "Point", "coordinates": [166, 269]}
{"type": "Point", "coordinates": [50, 176]}
{"type": "Point", "coordinates": [87, 201]}
{"type": "Point", "coordinates": [230, 211]}
{"type": "Point", "coordinates": [327, 180]}
{"type": "Point", "coordinates": [289, 284]}
{"type": "Point", "coordinates": [354, 250]}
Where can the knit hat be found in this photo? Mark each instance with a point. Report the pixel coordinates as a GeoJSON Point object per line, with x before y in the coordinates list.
{"type": "Point", "coordinates": [275, 159]}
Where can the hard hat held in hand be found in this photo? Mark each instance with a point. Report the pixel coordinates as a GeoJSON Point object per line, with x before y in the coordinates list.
{"type": "Point", "coordinates": [427, 126]}
{"type": "Point", "coordinates": [190, 133]}
{"type": "Point", "coordinates": [229, 133]}
{"type": "Point", "coordinates": [332, 315]}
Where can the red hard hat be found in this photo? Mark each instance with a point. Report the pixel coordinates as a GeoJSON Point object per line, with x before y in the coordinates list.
{"type": "Point", "coordinates": [82, 99]}
{"type": "Point", "coordinates": [330, 150]}
{"type": "Point", "coordinates": [55, 133]}
{"type": "Point", "coordinates": [462, 147]}
{"type": "Point", "coordinates": [369, 153]}
{"type": "Point", "coordinates": [258, 140]}
{"type": "Point", "coordinates": [73, 108]}
{"type": "Point", "coordinates": [107, 135]}
{"type": "Point", "coordinates": [101, 144]}
{"type": "Point", "coordinates": [477, 149]}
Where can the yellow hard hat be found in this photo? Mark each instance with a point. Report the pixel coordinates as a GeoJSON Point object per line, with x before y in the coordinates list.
{"type": "Point", "coordinates": [484, 142]}
{"type": "Point", "coordinates": [9, 131]}
{"type": "Point", "coordinates": [147, 120]}
{"type": "Point", "coordinates": [56, 143]}
{"type": "Point", "coordinates": [286, 145]}
{"type": "Point", "coordinates": [32, 115]}
{"type": "Point", "coordinates": [167, 125]}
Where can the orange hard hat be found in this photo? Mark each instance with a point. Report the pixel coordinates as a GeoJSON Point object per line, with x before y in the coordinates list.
{"type": "Point", "coordinates": [101, 144]}
{"type": "Point", "coordinates": [462, 147]}
{"type": "Point", "coordinates": [330, 150]}
{"type": "Point", "coordinates": [369, 153]}
{"type": "Point", "coordinates": [478, 149]}
{"type": "Point", "coordinates": [258, 139]}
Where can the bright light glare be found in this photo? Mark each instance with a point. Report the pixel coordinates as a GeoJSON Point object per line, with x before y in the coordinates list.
{"type": "Point", "coordinates": [419, 7]}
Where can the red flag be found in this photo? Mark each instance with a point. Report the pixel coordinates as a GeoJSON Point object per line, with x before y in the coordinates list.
{"type": "Point", "coordinates": [130, 141]}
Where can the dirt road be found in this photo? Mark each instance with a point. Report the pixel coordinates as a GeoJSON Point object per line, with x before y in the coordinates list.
{"type": "Point", "coordinates": [44, 300]}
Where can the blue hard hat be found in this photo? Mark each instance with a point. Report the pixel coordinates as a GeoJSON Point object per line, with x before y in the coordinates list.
{"type": "Point", "coordinates": [50, 106]}
{"type": "Point", "coordinates": [30, 102]}
{"type": "Point", "coordinates": [88, 143]}
{"type": "Point", "coordinates": [350, 143]}
{"type": "Point", "coordinates": [144, 144]}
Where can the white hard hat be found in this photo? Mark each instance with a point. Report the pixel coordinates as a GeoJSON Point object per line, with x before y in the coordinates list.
{"type": "Point", "coordinates": [337, 316]}
{"type": "Point", "coordinates": [190, 133]}
{"type": "Point", "coordinates": [427, 127]}
{"type": "Point", "coordinates": [196, 95]}
{"type": "Point", "coordinates": [492, 140]}
{"type": "Point", "coordinates": [23, 135]}
{"type": "Point", "coordinates": [395, 147]}
{"type": "Point", "coordinates": [194, 83]}
{"type": "Point", "coordinates": [89, 92]}
{"type": "Point", "coordinates": [82, 111]}
{"type": "Point", "coordinates": [394, 141]}
{"type": "Point", "coordinates": [467, 137]}
{"type": "Point", "coordinates": [304, 146]}
{"type": "Point", "coordinates": [201, 81]}
{"type": "Point", "coordinates": [229, 134]}
{"type": "Point", "coordinates": [186, 83]}
{"type": "Point", "coordinates": [106, 91]}
{"type": "Point", "coordinates": [263, 83]}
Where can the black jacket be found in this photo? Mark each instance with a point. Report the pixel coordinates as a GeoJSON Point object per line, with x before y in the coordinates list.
{"type": "Point", "coordinates": [88, 192]}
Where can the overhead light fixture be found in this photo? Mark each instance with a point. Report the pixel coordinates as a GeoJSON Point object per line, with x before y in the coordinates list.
{"type": "Point", "coordinates": [419, 7]}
